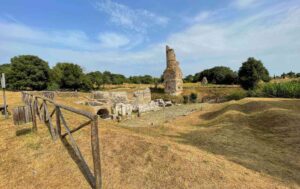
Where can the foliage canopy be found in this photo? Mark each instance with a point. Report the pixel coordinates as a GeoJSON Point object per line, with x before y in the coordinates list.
{"type": "Point", "coordinates": [251, 72]}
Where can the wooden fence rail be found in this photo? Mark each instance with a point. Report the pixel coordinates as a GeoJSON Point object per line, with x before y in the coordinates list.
{"type": "Point", "coordinates": [39, 107]}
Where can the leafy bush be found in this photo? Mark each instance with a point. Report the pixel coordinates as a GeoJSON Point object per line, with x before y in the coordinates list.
{"type": "Point", "coordinates": [53, 86]}
{"type": "Point", "coordinates": [289, 89]}
{"type": "Point", "coordinates": [193, 97]}
{"type": "Point", "coordinates": [166, 97]}
{"type": "Point", "coordinates": [238, 95]}
{"type": "Point", "coordinates": [255, 93]}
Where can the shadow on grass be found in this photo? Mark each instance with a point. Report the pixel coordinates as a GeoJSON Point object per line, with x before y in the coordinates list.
{"type": "Point", "coordinates": [257, 156]}
{"type": "Point", "coordinates": [80, 162]}
{"type": "Point", "coordinates": [22, 132]}
{"type": "Point", "coordinates": [254, 107]}
{"type": "Point", "coordinates": [240, 139]}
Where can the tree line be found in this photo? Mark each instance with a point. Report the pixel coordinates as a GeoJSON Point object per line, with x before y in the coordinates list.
{"type": "Point", "coordinates": [28, 72]}
{"type": "Point", "coordinates": [248, 76]}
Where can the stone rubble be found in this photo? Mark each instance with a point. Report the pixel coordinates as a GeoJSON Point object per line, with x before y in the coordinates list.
{"type": "Point", "coordinates": [120, 105]}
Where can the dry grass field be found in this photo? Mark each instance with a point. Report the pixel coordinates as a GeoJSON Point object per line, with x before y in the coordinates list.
{"type": "Point", "coordinates": [252, 143]}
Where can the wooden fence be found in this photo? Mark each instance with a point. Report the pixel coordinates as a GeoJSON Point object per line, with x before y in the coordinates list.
{"type": "Point", "coordinates": [39, 108]}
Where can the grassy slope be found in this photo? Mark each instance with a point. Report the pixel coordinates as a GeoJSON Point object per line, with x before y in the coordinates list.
{"type": "Point", "coordinates": [252, 143]}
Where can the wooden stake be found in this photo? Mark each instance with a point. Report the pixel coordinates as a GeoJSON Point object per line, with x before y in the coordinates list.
{"type": "Point", "coordinates": [33, 114]}
{"type": "Point", "coordinates": [3, 85]}
{"type": "Point", "coordinates": [4, 100]}
{"type": "Point", "coordinates": [96, 152]}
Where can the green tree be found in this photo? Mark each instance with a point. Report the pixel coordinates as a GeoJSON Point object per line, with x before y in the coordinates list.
{"type": "Point", "coordinates": [86, 83]}
{"type": "Point", "coordinates": [5, 68]}
{"type": "Point", "coordinates": [28, 72]}
{"type": "Point", "coordinates": [107, 77]}
{"type": "Point", "coordinates": [251, 72]}
{"type": "Point", "coordinates": [96, 78]}
{"type": "Point", "coordinates": [218, 75]}
{"type": "Point", "coordinates": [291, 74]}
{"type": "Point", "coordinates": [68, 75]}
{"type": "Point", "coordinates": [188, 79]}
{"type": "Point", "coordinates": [117, 79]}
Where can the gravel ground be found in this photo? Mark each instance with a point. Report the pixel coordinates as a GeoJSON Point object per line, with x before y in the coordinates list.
{"type": "Point", "coordinates": [159, 117]}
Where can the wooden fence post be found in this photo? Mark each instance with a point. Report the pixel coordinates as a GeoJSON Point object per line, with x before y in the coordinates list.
{"type": "Point", "coordinates": [33, 114]}
{"type": "Point", "coordinates": [58, 124]}
{"type": "Point", "coordinates": [96, 152]}
{"type": "Point", "coordinates": [44, 111]}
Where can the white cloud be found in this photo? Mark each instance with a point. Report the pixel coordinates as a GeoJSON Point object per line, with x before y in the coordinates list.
{"type": "Point", "coordinates": [112, 40]}
{"type": "Point", "coordinates": [110, 51]}
{"type": "Point", "coordinates": [270, 34]}
{"type": "Point", "coordinates": [138, 20]}
{"type": "Point", "coordinates": [20, 32]}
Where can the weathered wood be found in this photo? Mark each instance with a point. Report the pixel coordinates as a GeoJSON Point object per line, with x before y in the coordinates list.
{"type": "Point", "coordinates": [37, 109]}
{"type": "Point", "coordinates": [71, 109]}
{"type": "Point", "coordinates": [96, 152]}
{"type": "Point", "coordinates": [53, 112]}
{"type": "Point", "coordinates": [48, 94]}
{"type": "Point", "coordinates": [4, 102]}
{"type": "Point", "coordinates": [21, 115]}
{"type": "Point", "coordinates": [33, 111]}
{"type": "Point", "coordinates": [88, 174]}
{"type": "Point", "coordinates": [43, 113]}
{"type": "Point", "coordinates": [58, 124]}
{"type": "Point", "coordinates": [49, 122]}
{"type": "Point", "coordinates": [77, 128]}
{"type": "Point", "coordinates": [2, 109]}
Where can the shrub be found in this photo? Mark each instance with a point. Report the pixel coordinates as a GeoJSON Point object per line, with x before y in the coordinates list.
{"type": "Point", "coordinates": [289, 89]}
{"type": "Point", "coordinates": [238, 95]}
{"type": "Point", "coordinates": [193, 97]}
{"type": "Point", "coordinates": [53, 86]}
{"type": "Point", "coordinates": [166, 97]}
{"type": "Point", "coordinates": [255, 93]}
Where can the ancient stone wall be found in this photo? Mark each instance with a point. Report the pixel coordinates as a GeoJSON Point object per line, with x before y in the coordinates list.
{"type": "Point", "coordinates": [110, 97]}
{"type": "Point", "coordinates": [142, 96]}
{"type": "Point", "coordinates": [173, 74]}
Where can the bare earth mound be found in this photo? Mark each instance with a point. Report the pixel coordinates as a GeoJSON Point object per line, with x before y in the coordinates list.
{"type": "Point", "coordinates": [253, 143]}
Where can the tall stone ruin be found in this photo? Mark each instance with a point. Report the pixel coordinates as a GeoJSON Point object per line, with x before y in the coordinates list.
{"type": "Point", "coordinates": [172, 75]}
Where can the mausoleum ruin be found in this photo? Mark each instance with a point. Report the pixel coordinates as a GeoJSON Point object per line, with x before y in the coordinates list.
{"type": "Point", "coordinates": [173, 74]}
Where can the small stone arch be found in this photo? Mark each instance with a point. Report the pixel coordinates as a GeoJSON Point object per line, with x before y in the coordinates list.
{"type": "Point", "coordinates": [103, 113]}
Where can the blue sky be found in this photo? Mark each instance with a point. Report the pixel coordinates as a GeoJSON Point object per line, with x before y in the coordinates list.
{"type": "Point", "coordinates": [129, 37]}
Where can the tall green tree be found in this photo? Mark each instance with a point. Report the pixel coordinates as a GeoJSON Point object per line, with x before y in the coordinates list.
{"type": "Point", "coordinates": [251, 72]}
{"type": "Point", "coordinates": [68, 75]}
{"type": "Point", "coordinates": [28, 72]}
